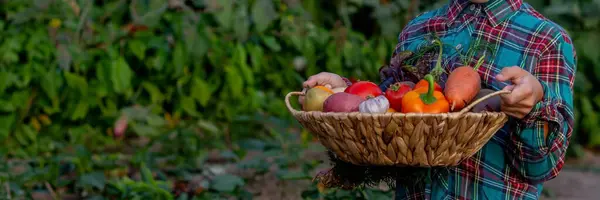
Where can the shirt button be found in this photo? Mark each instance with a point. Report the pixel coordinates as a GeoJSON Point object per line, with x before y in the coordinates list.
{"type": "Point", "coordinates": [458, 46]}
{"type": "Point", "coordinates": [472, 7]}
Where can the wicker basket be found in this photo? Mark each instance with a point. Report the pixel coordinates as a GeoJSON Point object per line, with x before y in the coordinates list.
{"type": "Point", "coordinates": [402, 139]}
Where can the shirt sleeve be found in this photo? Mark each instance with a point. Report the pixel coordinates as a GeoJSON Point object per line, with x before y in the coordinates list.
{"type": "Point", "coordinates": [535, 156]}
{"type": "Point", "coordinates": [348, 82]}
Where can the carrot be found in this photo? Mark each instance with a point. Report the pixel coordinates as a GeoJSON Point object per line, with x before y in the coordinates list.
{"type": "Point", "coordinates": [462, 85]}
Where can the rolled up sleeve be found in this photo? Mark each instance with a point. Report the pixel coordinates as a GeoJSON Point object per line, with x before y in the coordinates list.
{"type": "Point", "coordinates": [541, 139]}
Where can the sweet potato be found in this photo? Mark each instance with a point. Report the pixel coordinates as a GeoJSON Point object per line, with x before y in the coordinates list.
{"type": "Point", "coordinates": [462, 86]}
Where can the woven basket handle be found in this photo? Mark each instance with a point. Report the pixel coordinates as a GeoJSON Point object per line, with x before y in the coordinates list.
{"type": "Point", "coordinates": [287, 100]}
{"type": "Point", "coordinates": [470, 106]}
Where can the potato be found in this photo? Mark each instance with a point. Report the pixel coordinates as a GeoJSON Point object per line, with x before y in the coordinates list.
{"type": "Point", "coordinates": [342, 102]}
{"type": "Point", "coordinates": [315, 97]}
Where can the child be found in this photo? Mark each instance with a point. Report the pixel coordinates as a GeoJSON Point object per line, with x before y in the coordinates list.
{"type": "Point", "coordinates": [535, 59]}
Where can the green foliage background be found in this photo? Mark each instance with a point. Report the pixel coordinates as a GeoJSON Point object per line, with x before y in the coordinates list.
{"type": "Point", "coordinates": [204, 76]}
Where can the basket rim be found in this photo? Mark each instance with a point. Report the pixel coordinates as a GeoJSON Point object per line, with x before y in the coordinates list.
{"type": "Point", "coordinates": [399, 114]}
{"type": "Point", "coordinates": [463, 112]}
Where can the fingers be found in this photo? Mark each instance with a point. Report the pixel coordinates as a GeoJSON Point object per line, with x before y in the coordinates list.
{"type": "Point", "coordinates": [514, 74]}
{"type": "Point", "coordinates": [326, 79]}
{"type": "Point", "coordinates": [311, 82]}
{"type": "Point", "coordinates": [518, 94]}
{"type": "Point", "coordinates": [513, 111]}
{"type": "Point", "coordinates": [317, 79]}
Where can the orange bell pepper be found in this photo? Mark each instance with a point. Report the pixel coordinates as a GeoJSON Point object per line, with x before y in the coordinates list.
{"type": "Point", "coordinates": [425, 100]}
{"type": "Point", "coordinates": [424, 84]}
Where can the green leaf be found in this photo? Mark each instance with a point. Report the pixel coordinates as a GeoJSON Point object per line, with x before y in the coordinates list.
{"type": "Point", "coordinates": [7, 106]}
{"type": "Point", "coordinates": [179, 59]}
{"type": "Point", "coordinates": [94, 179]}
{"type": "Point", "coordinates": [223, 13]}
{"type": "Point", "coordinates": [226, 183]}
{"type": "Point", "coordinates": [80, 110]}
{"type": "Point", "coordinates": [76, 82]}
{"type": "Point", "coordinates": [233, 81]}
{"type": "Point", "coordinates": [242, 23]}
{"type": "Point", "coordinates": [263, 13]}
{"type": "Point", "coordinates": [20, 98]}
{"type": "Point", "coordinates": [155, 120]}
{"type": "Point", "coordinates": [29, 132]}
{"type": "Point", "coordinates": [50, 84]}
{"type": "Point", "coordinates": [243, 65]}
{"type": "Point", "coordinates": [200, 91]}
{"type": "Point", "coordinates": [121, 75]}
{"type": "Point", "coordinates": [271, 43]}
{"type": "Point", "coordinates": [144, 130]}
{"type": "Point", "coordinates": [208, 126]}
{"type": "Point", "coordinates": [156, 95]}
{"type": "Point", "coordinates": [7, 79]}
{"type": "Point", "coordinates": [189, 106]}
{"type": "Point", "coordinates": [138, 48]}
{"type": "Point", "coordinates": [6, 123]}
{"type": "Point", "coordinates": [147, 174]}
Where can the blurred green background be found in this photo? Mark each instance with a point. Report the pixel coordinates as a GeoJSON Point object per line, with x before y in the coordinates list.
{"type": "Point", "coordinates": [201, 86]}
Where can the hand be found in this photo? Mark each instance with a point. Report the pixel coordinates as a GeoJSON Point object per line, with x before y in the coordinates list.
{"type": "Point", "coordinates": [526, 91]}
{"type": "Point", "coordinates": [329, 80]}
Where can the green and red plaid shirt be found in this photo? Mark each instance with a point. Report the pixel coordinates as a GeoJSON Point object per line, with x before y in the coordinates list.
{"type": "Point", "coordinates": [517, 160]}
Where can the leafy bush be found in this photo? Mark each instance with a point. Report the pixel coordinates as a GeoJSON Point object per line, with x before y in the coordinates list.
{"type": "Point", "coordinates": [195, 78]}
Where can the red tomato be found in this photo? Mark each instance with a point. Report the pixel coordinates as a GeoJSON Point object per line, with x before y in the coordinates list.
{"type": "Point", "coordinates": [395, 93]}
{"type": "Point", "coordinates": [423, 84]}
{"type": "Point", "coordinates": [365, 89]}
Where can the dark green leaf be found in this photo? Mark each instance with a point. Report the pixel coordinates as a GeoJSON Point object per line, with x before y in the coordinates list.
{"type": "Point", "coordinates": [144, 130]}
{"type": "Point", "coordinates": [6, 123]}
{"type": "Point", "coordinates": [94, 179]}
{"type": "Point", "coordinates": [6, 80]}
{"type": "Point", "coordinates": [226, 183]}
{"type": "Point", "coordinates": [155, 120]}
{"type": "Point", "coordinates": [155, 94]}
{"type": "Point", "coordinates": [7, 106]}
{"type": "Point", "coordinates": [147, 174]}
{"type": "Point", "coordinates": [179, 59]}
{"type": "Point", "coordinates": [28, 132]}
{"type": "Point", "coordinates": [271, 43]}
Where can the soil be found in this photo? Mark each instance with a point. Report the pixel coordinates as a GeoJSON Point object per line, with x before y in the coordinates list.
{"type": "Point", "coordinates": [579, 180]}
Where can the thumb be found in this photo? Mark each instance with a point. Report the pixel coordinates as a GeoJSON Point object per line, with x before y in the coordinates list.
{"type": "Point", "coordinates": [513, 74]}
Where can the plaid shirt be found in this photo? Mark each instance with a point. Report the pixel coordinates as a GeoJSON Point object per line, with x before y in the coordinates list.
{"type": "Point", "coordinates": [517, 160]}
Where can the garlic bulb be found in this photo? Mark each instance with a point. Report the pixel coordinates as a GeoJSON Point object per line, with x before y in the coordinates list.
{"type": "Point", "coordinates": [379, 104]}
{"type": "Point", "coordinates": [338, 89]}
